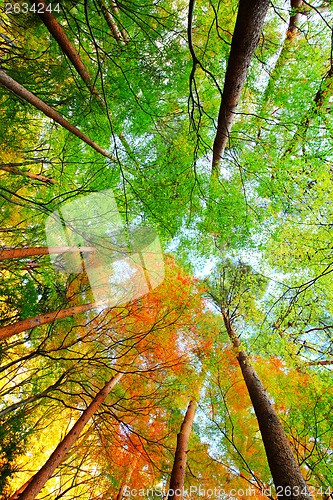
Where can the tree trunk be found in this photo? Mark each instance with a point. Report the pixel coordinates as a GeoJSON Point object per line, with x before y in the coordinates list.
{"type": "Point", "coordinates": [19, 253]}
{"type": "Point", "coordinates": [38, 481]}
{"type": "Point", "coordinates": [43, 319]}
{"type": "Point", "coordinates": [120, 36]}
{"type": "Point", "coordinates": [283, 56]}
{"type": "Point", "coordinates": [12, 168]}
{"type": "Point", "coordinates": [64, 43]}
{"type": "Point", "coordinates": [179, 465]}
{"type": "Point", "coordinates": [288, 480]}
{"type": "Point", "coordinates": [22, 92]}
{"type": "Point", "coordinates": [246, 36]}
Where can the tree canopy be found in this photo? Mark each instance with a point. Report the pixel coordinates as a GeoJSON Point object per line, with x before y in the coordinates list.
{"type": "Point", "coordinates": [211, 123]}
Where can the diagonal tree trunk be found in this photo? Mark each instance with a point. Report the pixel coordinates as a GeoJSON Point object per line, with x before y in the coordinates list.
{"type": "Point", "coordinates": [38, 481]}
{"type": "Point", "coordinates": [120, 36]}
{"type": "Point", "coordinates": [43, 319]}
{"type": "Point", "coordinates": [246, 36]}
{"type": "Point", "coordinates": [64, 43]}
{"type": "Point", "coordinates": [179, 465]}
{"type": "Point", "coordinates": [21, 91]}
{"type": "Point", "coordinates": [287, 476]}
{"type": "Point", "coordinates": [12, 168]}
{"type": "Point", "coordinates": [19, 253]}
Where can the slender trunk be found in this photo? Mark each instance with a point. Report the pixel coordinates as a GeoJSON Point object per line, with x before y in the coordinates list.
{"type": "Point", "coordinates": [12, 168]}
{"type": "Point", "coordinates": [179, 465]}
{"type": "Point", "coordinates": [320, 101]}
{"type": "Point", "coordinates": [291, 33]}
{"type": "Point", "coordinates": [246, 36]}
{"type": "Point", "coordinates": [64, 43]}
{"type": "Point", "coordinates": [43, 319]}
{"type": "Point", "coordinates": [38, 481]}
{"type": "Point", "coordinates": [19, 253]}
{"type": "Point", "coordinates": [288, 480]}
{"type": "Point", "coordinates": [22, 92]}
{"type": "Point", "coordinates": [116, 12]}
{"type": "Point", "coordinates": [127, 477]}
{"type": "Point", "coordinates": [120, 36]}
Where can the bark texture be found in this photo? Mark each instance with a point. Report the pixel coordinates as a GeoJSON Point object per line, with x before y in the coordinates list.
{"type": "Point", "coordinates": [26, 324]}
{"type": "Point", "coordinates": [38, 481]}
{"type": "Point", "coordinates": [246, 36]}
{"type": "Point", "coordinates": [12, 168]}
{"type": "Point", "coordinates": [19, 253]}
{"type": "Point", "coordinates": [179, 465]}
{"type": "Point", "coordinates": [64, 43]}
{"type": "Point", "coordinates": [22, 92]}
{"type": "Point", "coordinates": [284, 468]}
{"type": "Point", "coordinates": [120, 36]}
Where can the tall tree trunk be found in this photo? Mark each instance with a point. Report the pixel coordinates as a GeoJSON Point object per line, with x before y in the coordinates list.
{"type": "Point", "coordinates": [291, 33]}
{"type": "Point", "coordinates": [64, 43]}
{"type": "Point", "coordinates": [288, 479]}
{"type": "Point", "coordinates": [21, 91]}
{"type": "Point", "coordinates": [120, 36]}
{"type": "Point", "coordinates": [43, 319]}
{"type": "Point", "coordinates": [246, 36]}
{"type": "Point", "coordinates": [320, 101]}
{"type": "Point", "coordinates": [19, 253]}
{"type": "Point", "coordinates": [12, 168]}
{"type": "Point", "coordinates": [38, 481]}
{"type": "Point", "coordinates": [179, 465]}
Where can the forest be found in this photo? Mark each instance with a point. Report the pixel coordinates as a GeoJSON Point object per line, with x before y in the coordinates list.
{"type": "Point", "coordinates": [166, 256]}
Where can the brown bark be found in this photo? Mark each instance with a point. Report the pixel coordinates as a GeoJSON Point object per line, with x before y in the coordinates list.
{"type": "Point", "coordinates": [322, 363]}
{"type": "Point", "coordinates": [179, 465]}
{"type": "Point", "coordinates": [64, 43]}
{"type": "Point", "coordinates": [12, 168]}
{"type": "Point", "coordinates": [43, 319]}
{"type": "Point", "coordinates": [120, 36]}
{"type": "Point", "coordinates": [22, 92]}
{"type": "Point", "coordinates": [38, 481]}
{"type": "Point", "coordinates": [284, 468]}
{"type": "Point", "coordinates": [246, 36]}
{"type": "Point", "coordinates": [19, 253]}
{"type": "Point", "coordinates": [294, 18]}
